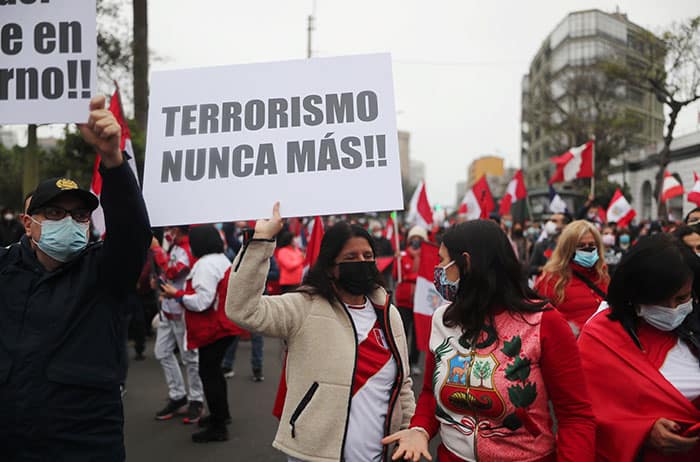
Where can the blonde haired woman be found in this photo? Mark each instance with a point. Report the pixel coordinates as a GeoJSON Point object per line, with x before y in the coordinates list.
{"type": "Point", "coordinates": [575, 279]}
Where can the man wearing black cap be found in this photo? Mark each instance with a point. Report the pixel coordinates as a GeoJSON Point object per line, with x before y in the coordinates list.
{"type": "Point", "coordinates": [62, 309]}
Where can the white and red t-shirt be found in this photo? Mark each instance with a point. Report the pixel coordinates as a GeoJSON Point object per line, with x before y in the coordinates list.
{"type": "Point", "coordinates": [681, 369]}
{"type": "Point", "coordinates": [375, 375]}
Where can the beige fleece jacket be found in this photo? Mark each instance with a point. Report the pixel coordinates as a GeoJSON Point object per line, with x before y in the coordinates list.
{"type": "Point", "coordinates": [321, 349]}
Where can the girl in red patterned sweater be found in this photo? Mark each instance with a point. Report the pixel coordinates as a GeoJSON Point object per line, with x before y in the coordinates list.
{"type": "Point", "coordinates": [497, 356]}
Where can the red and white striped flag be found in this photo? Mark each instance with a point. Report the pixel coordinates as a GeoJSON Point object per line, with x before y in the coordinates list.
{"type": "Point", "coordinates": [575, 163]}
{"type": "Point", "coordinates": [115, 107]}
{"type": "Point", "coordinates": [671, 187]}
{"type": "Point", "coordinates": [313, 246]}
{"type": "Point", "coordinates": [514, 192]}
{"type": "Point", "coordinates": [620, 211]}
{"type": "Point", "coordinates": [426, 299]}
{"type": "Point", "coordinates": [478, 202]}
{"type": "Point", "coordinates": [420, 213]}
{"type": "Point", "coordinates": [694, 194]}
{"type": "Point", "coordinates": [390, 232]}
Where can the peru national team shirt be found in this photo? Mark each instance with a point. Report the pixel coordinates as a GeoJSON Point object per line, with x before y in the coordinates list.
{"type": "Point", "coordinates": [375, 374]}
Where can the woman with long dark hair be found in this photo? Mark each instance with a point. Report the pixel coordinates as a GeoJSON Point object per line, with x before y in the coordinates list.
{"type": "Point", "coordinates": [641, 356]}
{"type": "Point", "coordinates": [207, 327]}
{"type": "Point", "coordinates": [498, 355]}
{"type": "Point", "coordinates": [348, 382]}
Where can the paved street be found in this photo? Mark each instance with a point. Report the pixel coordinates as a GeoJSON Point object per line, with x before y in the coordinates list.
{"type": "Point", "coordinates": [252, 430]}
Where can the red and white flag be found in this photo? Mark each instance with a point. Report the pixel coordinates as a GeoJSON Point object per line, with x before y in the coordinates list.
{"type": "Point", "coordinates": [313, 245]}
{"type": "Point", "coordinates": [478, 202]}
{"type": "Point", "coordinates": [420, 213]}
{"type": "Point", "coordinates": [426, 299]}
{"type": "Point", "coordinates": [694, 194]}
{"type": "Point", "coordinates": [620, 211]}
{"type": "Point", "coordinates": [115, 107]}
{"type": "Point", "coordinates": [514, 192]}
{"type": "Point", "coordinates": [390, 232]}
{"type": "Point", "coordinates": [671, 187]}
{"type": "Point", "coordinates": [575, 163]}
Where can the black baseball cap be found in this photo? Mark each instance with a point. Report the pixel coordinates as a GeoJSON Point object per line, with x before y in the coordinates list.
{"type": "Point", "coordinates": [54, 187]}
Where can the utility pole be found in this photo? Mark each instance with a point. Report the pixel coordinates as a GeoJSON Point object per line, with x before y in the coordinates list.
{"type": "Point", "coordinates": [310, 29]}
{"type": "Point", "coordinates": [140, 70]}
{"type": "Point", "coordinates": [30, 170]}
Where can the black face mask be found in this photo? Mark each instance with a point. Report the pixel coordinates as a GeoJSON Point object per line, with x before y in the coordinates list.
{"type": "Point", "coordinates": [357, 277]}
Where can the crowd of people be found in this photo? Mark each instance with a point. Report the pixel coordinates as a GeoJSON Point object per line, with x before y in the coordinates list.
{"type": "Point", "coordinates": [566, 340]}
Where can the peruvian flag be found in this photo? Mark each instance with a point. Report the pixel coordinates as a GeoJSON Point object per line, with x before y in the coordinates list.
{"type": "Point", "coordinates": [514, 192]}
{"type": "Point", "coordinates": [671, 187]}
{"type": "Point", "coordinates": [575, 163]}
{"type": "Point", "coordinates": [313, 246]}
{"type": "Point", "coordinates": [694, 194]}
{"type": "Point", "coordinates": [425, 299]}
{"type": "Point", "coordinates": [478, 202]}
{"type": "Point", "coordinates": [620, 211]}
{"type": "Point", "coordinates": [390, 233]}
{"type": "Point", "coordinates": [115, 107]}
{"type": "Point", "coordinates": [420, 213]}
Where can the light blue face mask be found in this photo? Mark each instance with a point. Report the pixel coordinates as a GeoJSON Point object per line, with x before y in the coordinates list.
{"type": "Point", "coordinates": [585, 258]}
{"type": "Point", "coordinates": [62, 239]}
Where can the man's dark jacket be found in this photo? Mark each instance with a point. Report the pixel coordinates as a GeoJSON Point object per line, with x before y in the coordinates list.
{"type": "Point", "coordinates": [62, 353]}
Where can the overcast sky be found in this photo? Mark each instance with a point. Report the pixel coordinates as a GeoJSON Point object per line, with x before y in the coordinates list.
{"type": "Point", "coordinates": [457, 64]}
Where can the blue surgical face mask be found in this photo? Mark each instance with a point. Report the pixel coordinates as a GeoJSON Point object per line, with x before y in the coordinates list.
{"type": "Point", "coordinates": [62, 239]}
{"type": "Point", "coordinates": [446, 288]}
{"type": "Point", "coordinates": [586, 258]}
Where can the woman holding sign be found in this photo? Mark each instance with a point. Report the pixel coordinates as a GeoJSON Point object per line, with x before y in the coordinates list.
{"type": "Point", "coordinates": [348, 382]}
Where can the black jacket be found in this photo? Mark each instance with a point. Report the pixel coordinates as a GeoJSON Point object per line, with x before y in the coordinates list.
{"type": "Point", "coordinates": [62, 353]}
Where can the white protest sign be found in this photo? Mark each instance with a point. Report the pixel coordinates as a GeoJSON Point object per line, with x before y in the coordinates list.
{"type": "Point", "coordinates": [48, 55]}
{"type": "Point", "coordinates": [225, 143]}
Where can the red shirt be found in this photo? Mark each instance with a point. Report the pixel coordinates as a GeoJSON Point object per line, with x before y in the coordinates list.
{"type": "Point", "coordinates": [580, 301]}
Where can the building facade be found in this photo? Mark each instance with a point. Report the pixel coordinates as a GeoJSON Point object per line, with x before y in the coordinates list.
{"type": "Point", "coordinates": [638, 169]}
{"type": "Point", "coordinates": [485, 165]}
{"type": "Point", "coordinates": [581, 39]}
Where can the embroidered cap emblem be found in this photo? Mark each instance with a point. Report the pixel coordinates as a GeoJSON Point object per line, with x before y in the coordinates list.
{"type": "Point", "coordinates": [66, 184]}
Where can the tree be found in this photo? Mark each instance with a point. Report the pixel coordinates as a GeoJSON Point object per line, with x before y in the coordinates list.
{"type": "Point", "coordinates": [580, 102]}
{"type": "Point", "coordinates": [671, 71]}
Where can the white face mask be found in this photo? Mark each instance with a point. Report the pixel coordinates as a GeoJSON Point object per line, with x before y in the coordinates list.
{"type": "Point", "coordinates": [665, 318]}
{"type": "Point", "coordinates": [550, 228]}
{"type": "Point", "coordinates": [8, 217]}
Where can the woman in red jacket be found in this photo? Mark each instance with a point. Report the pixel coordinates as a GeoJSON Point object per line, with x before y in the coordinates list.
{"type": "Point", "coordinates": [576, 279]}
{"type": "Point", "coordinates": [207, 327]}
{"type": "Point", "coordinates": [498, 356]}
{"type": "Point", "coordinates": [290, 261]}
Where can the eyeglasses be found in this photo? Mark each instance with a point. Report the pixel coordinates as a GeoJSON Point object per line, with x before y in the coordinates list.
{"type": "Point", "coordinates": [55, 213]}
{"type": "Point", "coordinates": [586, 247]}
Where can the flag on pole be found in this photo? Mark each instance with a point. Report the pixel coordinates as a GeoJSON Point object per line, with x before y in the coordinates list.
{"type": "Point", "coordinates": [420, 212]}
{"type": "Point", "coordinates": [514, 192]}
{"type": "Point", "coordinates": [694, 194]}
{"type": "Point", "coordinates": [671, 187]}
{"type": "Point", "coordinates": [426, 299]}
{"type": "Point", "coordinates": [313, 246]}
{"type": "Point", "coordinates": [575, 163]}
{"type": "Point", "coordinates": [390, 233]}
{"type": "Point", "coordinates": [556, 203]}
{"type": "Point", "coordinates": [115, 107]}
{"type": "Point", "coordinates": [620, 211]}
{"type": "Point", "coordinates": [478, 202]}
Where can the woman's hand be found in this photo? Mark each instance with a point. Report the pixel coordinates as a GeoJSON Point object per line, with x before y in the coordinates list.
{"type": "Point", "coordinates": [664, 438]}
{"type": "Point", "coordinates": [268, 229]}
{"type": "Point", "coordinates": [412, 444]}
{"type": "Point", "coordinates": [168, 291]}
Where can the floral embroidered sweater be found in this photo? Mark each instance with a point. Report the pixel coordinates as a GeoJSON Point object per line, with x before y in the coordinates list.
{"type": "Point", "coordinates": [490, 402]}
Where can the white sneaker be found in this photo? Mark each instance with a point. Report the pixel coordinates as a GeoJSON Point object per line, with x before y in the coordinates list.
{"type": "Point", "coordinates": [228, 373]}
